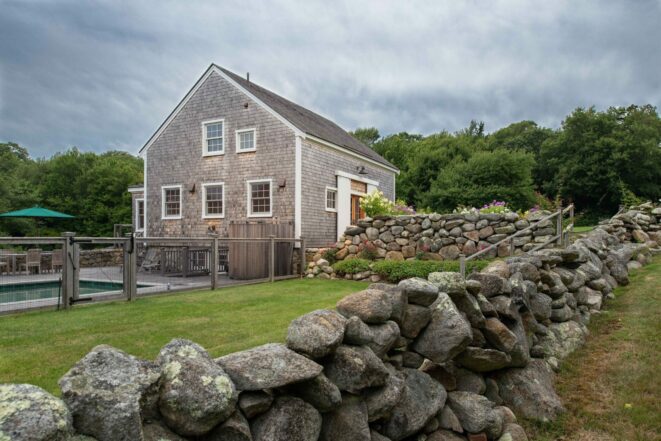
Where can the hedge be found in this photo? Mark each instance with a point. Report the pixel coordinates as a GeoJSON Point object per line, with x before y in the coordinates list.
{"type": "Point", "coordinates": [351, 266]}
{"type": "Point", "coordinates": [394, 271]}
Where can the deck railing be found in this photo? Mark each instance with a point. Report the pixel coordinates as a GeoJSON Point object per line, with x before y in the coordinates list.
{"type": "Point", "coordinates": [561, 237]}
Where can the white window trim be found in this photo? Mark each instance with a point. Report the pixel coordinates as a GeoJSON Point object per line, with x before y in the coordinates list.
{"type": "Point", "coordinates": [237, 140]}
{"type": "Point", "coordinates": [205, 152]}
{"type": "Point", "coordinates": [181, 201]}
{"type": "Point", "coordinates": [249, 198]}
{"type": "Point", "coordinates": [333, 210]}
{"type": "Point", "coordinates": [137, 215]}
{"type": "Point", "coordinates": [205, 215]}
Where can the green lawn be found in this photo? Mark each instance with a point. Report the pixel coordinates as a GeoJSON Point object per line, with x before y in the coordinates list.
{"type": "Point", "coordinates": [40, 347]}
{"type": "Point", "coordinates": [611, 385]}
{"type": "Point", "coordinates": [584, 229]}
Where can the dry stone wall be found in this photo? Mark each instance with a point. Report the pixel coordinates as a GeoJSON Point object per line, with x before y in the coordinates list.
{"type": "Point", "coordinates": [437, 359]}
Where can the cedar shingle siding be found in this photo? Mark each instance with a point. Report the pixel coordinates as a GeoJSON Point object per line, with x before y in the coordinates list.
{"type": "Point", "coordinates": [175, 157]}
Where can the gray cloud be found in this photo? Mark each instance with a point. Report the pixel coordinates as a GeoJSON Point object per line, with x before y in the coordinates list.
{"type": "Point", "coordinates": [103, 75]}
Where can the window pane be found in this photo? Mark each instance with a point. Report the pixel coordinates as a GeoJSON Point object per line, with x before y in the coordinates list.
{"type": "Point", "coordinates": [214, 201]}
{"type": "Point", "coordinates": [215, 145]}
{"type": "Point", "coordinates": [330, 199]}
{"type": "Point", "coordinates": [214, 130]}
{"type": "Point", "coordinates": [172, 202]}
{"type": "Point", "coordinates": [141, 215]}
{"type": "Point", "coordinates": [260, 193]}
{"type": "Point", "coordinates": [247, 140]}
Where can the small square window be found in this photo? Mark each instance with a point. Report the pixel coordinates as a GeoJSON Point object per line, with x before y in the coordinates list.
{"type": "Point", "coordinates": [331, 199]}
{"type": "Point", "coordinates": [214, 139]}
{"type": "Point", "coordinates": [214, 200]}
{"type": "Point", "coordinates": [246, 140]}
{"type": "Point", "coordinates": [259, 198]}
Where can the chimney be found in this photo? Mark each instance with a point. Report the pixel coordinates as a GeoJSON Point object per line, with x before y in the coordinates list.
{"type": "Point", "coordinates": [248, 77]}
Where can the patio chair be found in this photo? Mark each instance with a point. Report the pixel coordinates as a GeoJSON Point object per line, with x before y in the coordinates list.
{"type": "Point", "coordinates": [151, 261]}
{"type": "Point", "coordinates": [32, 260]}
{"type": "Point", "coordinates": [57, 260]}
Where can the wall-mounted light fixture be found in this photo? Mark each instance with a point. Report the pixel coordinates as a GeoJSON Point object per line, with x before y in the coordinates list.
{"type": "Point", "coordinates": [361, 170]}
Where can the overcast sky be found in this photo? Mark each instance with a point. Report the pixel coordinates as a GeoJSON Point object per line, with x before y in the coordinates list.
{"type": "Point", "coordinates": [104, 75]}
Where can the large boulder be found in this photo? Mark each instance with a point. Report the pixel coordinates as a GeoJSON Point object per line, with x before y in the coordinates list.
{"type": "Point", "coordinates": [108, 392]}
{"type": "Point", "coordinates": [416, 317]}
{"type": "Point", "coordinates": [347, 422]}
{"type": "Point", "coordinates": [268, 366]}
{"type": "Point", "coordinates": [370, 305]}
{"type": "Point", "coordinates": [476, 413]}
{"type": "Point", "coordinates": [253, 403]}
{"type": "Point", "coordinates": [353, 368]}
{"type": "Point", "coordinates": [153, 431]}
{"type": "Point", "coordinates": [316, 334]}
{"type": "Point", "coordinates": [381, 400]}
{"type": "Point", "coordinates": [379, 338]}
{"type": "Point", "coordinates": [235, 428]}
{"type": "Point", "coordinates": [30, 413]}
{"type": "Point", "coordinates": [289, 419]}
{"type": "Point", "coordinates": [540, 306]}
{"type": "Point", "coordinates": [397, 298]}
{"type": "Point", "coordinates": [422, 398]}
{"type": "Point", "coordinates": [447, 334]}
{"type": "Point", "coordinates": [419, 291]}
{"type": "Point", "coordinates": [529, 391]}
{"type": "Point", "coordinates": [562, 339]}
{"type": "Point", "coordinates": [196, 394]}
{"type": "Point", "coordinates": [483, 360]}
{"type": "Point", "coordinates": [448, 282]}
{"type": "Point", "coordinates": [492, 284]}
{"type": "Point", "coordinates": [499, 335]}
{"type": "Point", "coordinates": [323, 394]}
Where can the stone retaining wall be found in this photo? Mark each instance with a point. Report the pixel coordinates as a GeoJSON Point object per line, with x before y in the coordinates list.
{"type": "Point", "coordinates": [437, 359]}
{"type": "Point", "coordinates": [101, 257]}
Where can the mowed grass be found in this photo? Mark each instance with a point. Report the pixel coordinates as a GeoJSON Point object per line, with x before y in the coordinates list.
{"type": "Point", "coordinates": [39, 347]}
{"type": "Point", "coordinates": [611, 387]}
{"type": "Point", "coordinates": [584, 229]}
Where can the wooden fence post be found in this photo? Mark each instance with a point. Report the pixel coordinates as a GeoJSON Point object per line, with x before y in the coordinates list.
{"type": "Point", "coordinates": [130, 278]}
{"type": "Point", "coordinates": [558, 226]}
{"type": "Point", "coordinates": [272, 258]}
{"type": "Point", "coordinates": [68, 270]}
{"type": "Point", "coordinates": [213, 263]}
{"type": "Point", "coordinates": [303, 262]}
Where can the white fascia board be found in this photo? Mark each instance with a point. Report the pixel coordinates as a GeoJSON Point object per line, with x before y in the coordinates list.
{"type": "Point", "coordinates": [357, 178]}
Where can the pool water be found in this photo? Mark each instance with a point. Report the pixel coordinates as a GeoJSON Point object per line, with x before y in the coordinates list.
{"type": "Point", "coordinates": [18, 292]}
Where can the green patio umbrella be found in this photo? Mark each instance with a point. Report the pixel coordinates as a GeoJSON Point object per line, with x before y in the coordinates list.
{"type": "Point", "coordinates": [37, 213]}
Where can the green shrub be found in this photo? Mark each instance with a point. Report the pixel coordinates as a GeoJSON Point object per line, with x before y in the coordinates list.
{"type": "Point", "coordinates": [376, 204]}
{"type": "Point", "coordinates": [394, 271]}
{"type": "Point", "coordinates": [329, 255]}
{"type": "Point", "coordinates": [351, 266]}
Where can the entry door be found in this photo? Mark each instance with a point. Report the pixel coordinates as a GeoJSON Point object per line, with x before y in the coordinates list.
{"type": "Point", "coordinates": [356, 212]}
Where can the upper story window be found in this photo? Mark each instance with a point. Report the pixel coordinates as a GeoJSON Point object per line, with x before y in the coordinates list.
{"type": "Point", "coordinates": [331, 199]}
{"type": "Point", "coordinates": [171, 201]}
{"type": "Point", "coordinates": [213, 135]}
{"type": "Point", "coordinates": [246, 140]}
{"type": "Point", "coordinates": [259, 198]}
{"type": "Point", "coordinates": [139, 214]}
{"type": "Point", "coordinates": [213, 196]}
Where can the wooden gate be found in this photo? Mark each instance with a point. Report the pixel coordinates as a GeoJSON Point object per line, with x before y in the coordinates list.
{"type": "Point", "coordinates": [251, 260]}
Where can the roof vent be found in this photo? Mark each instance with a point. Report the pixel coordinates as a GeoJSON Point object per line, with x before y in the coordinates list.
{"type": "Point", "coordinates": [248, 77]}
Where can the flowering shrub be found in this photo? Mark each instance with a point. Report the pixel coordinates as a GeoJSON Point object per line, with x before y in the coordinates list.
{"type": "Point", "coordinates": [495, 207]}
{"type": "Point", "coordinates": [376, 204]}
{"type": "Point", "coordinates": [465, 209]}
{"type": "Point", "coordinates": [400, 207]}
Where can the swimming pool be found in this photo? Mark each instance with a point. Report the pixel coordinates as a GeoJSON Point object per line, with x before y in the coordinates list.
{"type": "Point", "coordinates": [18, 292]}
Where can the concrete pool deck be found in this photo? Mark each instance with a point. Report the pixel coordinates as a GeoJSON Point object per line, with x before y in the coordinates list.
{"type": "Point", "coordinates": [157, 284]}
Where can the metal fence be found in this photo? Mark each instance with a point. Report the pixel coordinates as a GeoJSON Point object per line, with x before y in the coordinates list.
{"type": "Point", "coordinates": [61, 272]}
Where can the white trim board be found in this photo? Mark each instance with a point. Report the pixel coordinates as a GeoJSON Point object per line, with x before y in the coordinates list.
{"type": "Point", "coordinates": [298, 190]}
{"type": "Point", "coordinates": [356, 178]}
{"type": "Point", "coordinates": [136, 189]}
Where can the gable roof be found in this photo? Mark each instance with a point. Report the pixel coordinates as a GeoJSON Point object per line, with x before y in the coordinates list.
{"type": "Point", "coordinates": [297, 116]}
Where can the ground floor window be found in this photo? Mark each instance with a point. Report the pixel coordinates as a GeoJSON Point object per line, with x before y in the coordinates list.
{"type": "Point", "coordinates": [259, 198]}
{"type": "Point", "coordinates": [171, 196]}
{"type": "Point", "coordinates": [331, 199]}
{"type": "Point", "coordinates": [139, 214]}
{"type": "Point", "coordinates": [213, 195]}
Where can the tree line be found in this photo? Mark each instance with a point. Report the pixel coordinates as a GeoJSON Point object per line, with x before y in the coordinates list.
{"type": "Point", "coordinates": [596, 159]}
{"type": "Point", "coordinates": [90, 186]}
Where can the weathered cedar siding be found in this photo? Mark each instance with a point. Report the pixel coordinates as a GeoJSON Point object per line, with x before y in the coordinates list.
{"type": "Point", "coordinates": [176, 158]}
{"type": "Point", "coordinates": [319, 165]}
